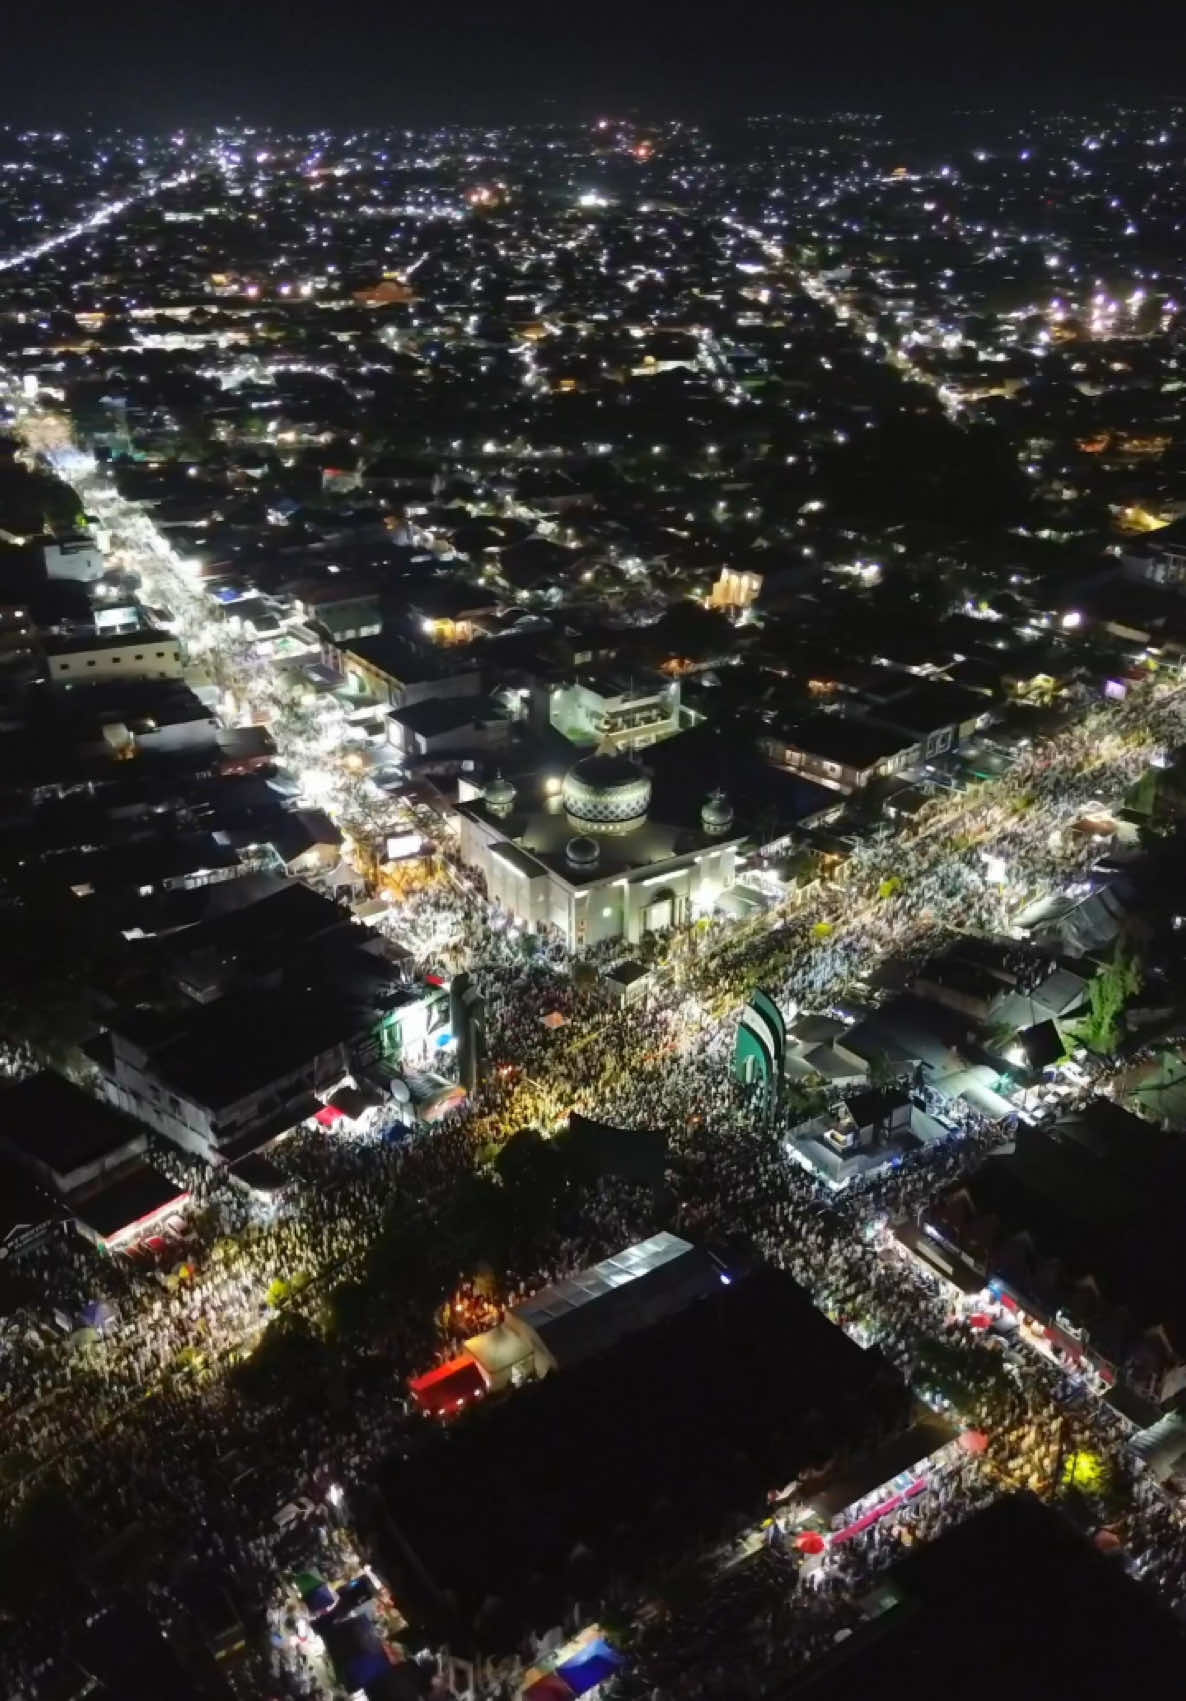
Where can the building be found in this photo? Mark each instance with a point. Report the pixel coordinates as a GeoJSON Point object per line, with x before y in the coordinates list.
{"type": "Point", "coordinates": [1078, 1225]}
{"type": "Point", "coordinates": [391, 669]}
{"type": "Point", "coordinates": [1018, 1602]}
{"type": "Point", "coordinates": [89, 659]}
{"type": "Point", "coordinates": [843, 752]}
{"type": "Point", "coordinates": [76, 557]}
{"type": "Point", "coordinates": [937, 715]}
{"type": "Point", "coordinates": [574, 1319]}
{"type": "Point", "coordinates": [631, 1456]}
{"type": "Point", "coordinates": [421, 731]}
{"type": "Point", "coordinates": [1160, 558]}
{"type": "Point", "coordinates": [581, 854]}
{"type": "Point", "coordinates": [86, 1156]}
{"type": "Point", "coordinates": [735, 588]}
{"type": "Point", "coordinates": [866, 1132]}
{"type": "Point", "coordinates": [344, 608]}
{"type": "Point", "coordinates": [226, 1077]}
{"type": "Point", "coordinates": [626, 711]}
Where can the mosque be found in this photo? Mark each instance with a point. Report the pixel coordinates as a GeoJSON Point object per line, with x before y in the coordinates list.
{"type": "Point", "coordinates": [583, 851]}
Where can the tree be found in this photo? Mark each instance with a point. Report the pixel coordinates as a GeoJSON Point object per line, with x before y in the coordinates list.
{"type": "Point", "coordinates": [290, 1357]}
{"type": "Point", "coordinates": [1109, 991]}
{"type": "Point", "coordinates": [883, 1071]}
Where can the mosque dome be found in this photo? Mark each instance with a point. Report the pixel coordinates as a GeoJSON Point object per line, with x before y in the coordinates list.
{"type": "Point", "coordinates": [500, 796]}
{"type": "Point", "coordinates": [582, 852]}
{"type": "Point", "coordinates": [716, 813]}
{"type": "Point", "coordinates": [606, 793]}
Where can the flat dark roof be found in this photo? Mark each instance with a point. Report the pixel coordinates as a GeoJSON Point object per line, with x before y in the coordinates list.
{"type": "Point", "coordinates": [49, 1120]}
{"type": "Point", "coordinates": [1102, 1193]}
{"type": "Point", "coordinates": [219, 1053]}
{"type": "Point", "coordinates": [402, 660]}
{"type": "Point", "coordinates": [1013, 1603]}
{"type": "Point", "coordinates": [845, 739]}
{"type": "Point", "coordinates": [114, 1205]}
{"type": "Point", "coordinates": [443, 714]}
{"type": "Point", "coordinates": [649, 1448]}
{"type": "Point", "coordinates": [269, 929]}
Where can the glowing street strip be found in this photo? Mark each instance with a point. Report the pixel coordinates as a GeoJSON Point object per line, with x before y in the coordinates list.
{"type": "Point", "coordinates": [103, 216]}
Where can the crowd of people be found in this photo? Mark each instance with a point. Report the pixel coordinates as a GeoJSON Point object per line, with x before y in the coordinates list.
{"type": "Point", "coordinates": [147, 1428]}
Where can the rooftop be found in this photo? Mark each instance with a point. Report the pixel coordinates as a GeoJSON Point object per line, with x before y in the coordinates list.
{"type": "Point", "coordinates": [88, 641]}
{"type": "Point", "coordinates": [589, 1311]}
{"type": "Point", "coordinates": [50, 1121]}
{"type": "Point", "coordinates": [845, 739]}
{"type": "Point", "coordinates": [648, 1447]}
{"type": "Point", "coordinates": [1016, 1603]}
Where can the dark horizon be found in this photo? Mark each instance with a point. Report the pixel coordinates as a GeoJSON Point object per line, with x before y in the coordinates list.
{"type": "Point", "coordinates": [307, 65]}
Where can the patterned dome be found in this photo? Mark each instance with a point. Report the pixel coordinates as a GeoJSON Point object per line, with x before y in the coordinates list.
{"type": "Point", "coordinates": [716, 813]}
{"type": "Point", "coordinates": [606, 794]}
{"type": "Point", "coordinates": [500, 796]}
{"type": "Point", "coordinates": [583, 851]}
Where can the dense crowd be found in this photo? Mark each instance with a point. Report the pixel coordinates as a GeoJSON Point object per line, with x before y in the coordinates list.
{"type": "Point", "coordinates": [144, 1430]}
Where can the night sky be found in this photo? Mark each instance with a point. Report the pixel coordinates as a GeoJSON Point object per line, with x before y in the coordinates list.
{"type": "Point", "coordinates": [304, 63]}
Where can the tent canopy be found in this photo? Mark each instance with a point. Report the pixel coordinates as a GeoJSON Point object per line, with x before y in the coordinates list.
{"type": "Point", "coordinates": [590, 1667]}
{"type": "Point", "coordinates": [499, 1349]}
{"type": "Point", "coordinates": [448, 1387]}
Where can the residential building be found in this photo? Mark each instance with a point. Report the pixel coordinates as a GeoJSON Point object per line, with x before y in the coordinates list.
{"type": "Point", "coordinates": [88, 658]}
{"type": "Point", "coordinates": [1078, 1223]}
{"type": "Point", "coordinates": [422, 731]}
{"type": "Point", "coordinates": [627, 711]}
{"type": "Point", "coordinates": [77, 557]}
{"type": "Point", "coordinates": [87, 1156]}
{"type": "Point", "coordinates": [735, 589]}
{"type": "Point", "coordinates": [391, 669]}
{"type": "Point", "coordinates": [844, 752]}
{"type": "Point", "coordinates": [224, 1079]}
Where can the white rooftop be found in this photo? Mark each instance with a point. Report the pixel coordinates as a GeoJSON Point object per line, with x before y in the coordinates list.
{"type": "Point", "coordinates": [600, 1279]}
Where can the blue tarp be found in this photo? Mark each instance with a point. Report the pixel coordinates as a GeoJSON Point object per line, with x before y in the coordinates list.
{"type": "Point", "coordinates": [590, 1667]}
{"type": "Point", "coordinates": [320, 1599]}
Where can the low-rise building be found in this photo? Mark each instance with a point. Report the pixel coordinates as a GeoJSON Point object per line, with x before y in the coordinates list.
{"type": "Point", "coordinates": [627, 710]}
{"type": "Point", "coordinates": [225, 1078]}
{"type": "Point", "coordinates": [1160, 557]}
{"type": "Point", "coordinates": [843, 752]}
{"type": "Point", "coordinates": [391, 669]}
{"type": "Point", "coordinates": [77, 557]}
{"type": "Point", "coordinates": [420, 731]}
{"type": "Point", "coordinates": [88, 658]}
{"type": "Point", "coordinates": [672, 1421]}
{"type": "Point", "coordinates": [89, 1158]}
{"type": "Point", "coordinates": [1077, 1224]}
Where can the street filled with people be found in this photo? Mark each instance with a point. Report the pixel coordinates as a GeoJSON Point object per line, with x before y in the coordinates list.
{"type": "Point", "coordinates": [152, 1438]}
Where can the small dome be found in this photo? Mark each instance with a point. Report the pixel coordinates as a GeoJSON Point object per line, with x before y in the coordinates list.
{"type": "Point", "coordinates": [606, 793]}
{"type": "Point", "coordinates": [500, 795]}
{"type": "Point", "coordinates": [716, 813]}
{"type": "Point", "coordinates": [583, 851]}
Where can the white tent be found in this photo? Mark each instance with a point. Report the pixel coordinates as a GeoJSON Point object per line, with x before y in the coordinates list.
{"type": "Point", "coordinates": [502, 1351]}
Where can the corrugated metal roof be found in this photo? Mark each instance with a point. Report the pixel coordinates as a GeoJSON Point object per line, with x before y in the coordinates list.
{"type": "Point", "coordinates": [600, 1279]}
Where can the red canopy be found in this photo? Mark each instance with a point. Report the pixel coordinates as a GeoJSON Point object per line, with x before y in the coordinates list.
{"type": "Point", "coordinates": [973, 1441]}
{"type": "Point", "coordinates": [810, 1541]}
{"type": "Point", "coordinates": [447, 1388]}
